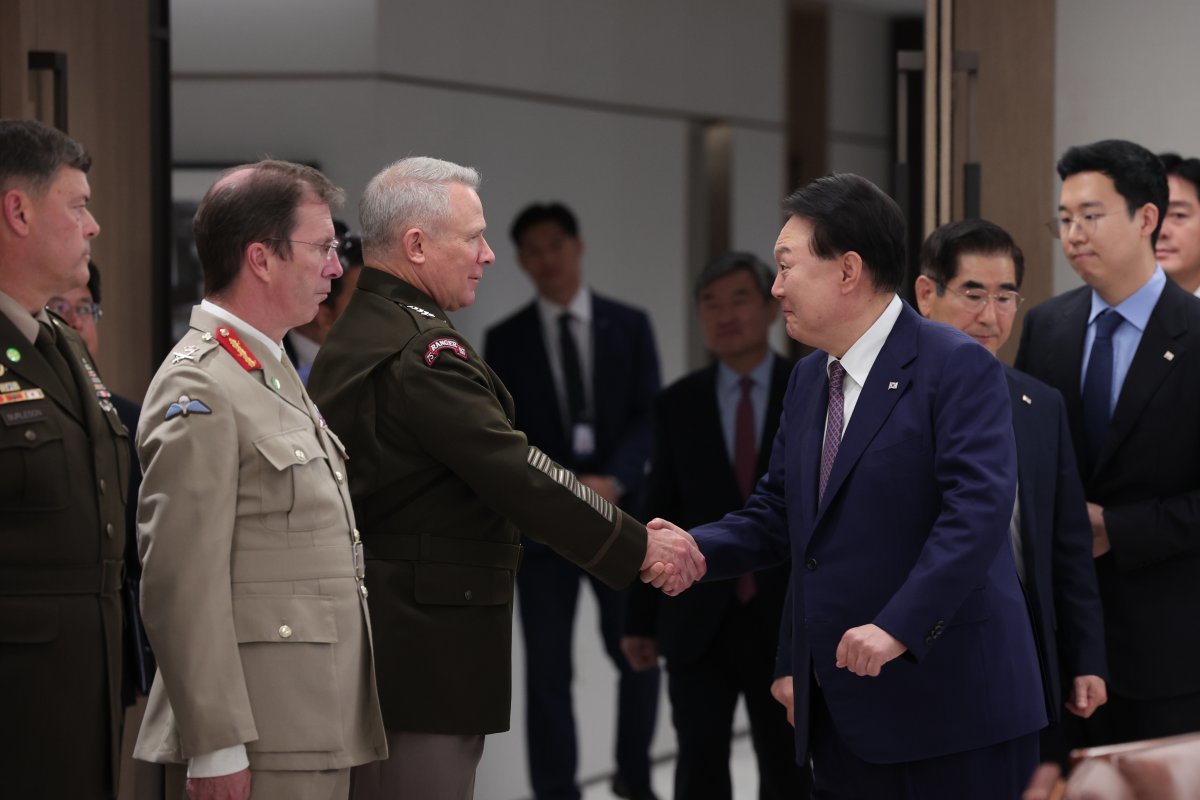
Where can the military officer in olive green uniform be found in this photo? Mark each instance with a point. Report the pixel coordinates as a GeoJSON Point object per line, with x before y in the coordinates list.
{"type": "Point", "coordinates": [64, 463]}
{"type": "Point", "coordinates": [442, 484]}
{"type": "Point", "coordinates": [252, 587]}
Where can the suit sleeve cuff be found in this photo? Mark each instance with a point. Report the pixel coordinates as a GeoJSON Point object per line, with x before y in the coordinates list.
{"type": "Point", "coordinates": [225, 761]}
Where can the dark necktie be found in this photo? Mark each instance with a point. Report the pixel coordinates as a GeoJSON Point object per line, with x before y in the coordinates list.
{"type": "Point", "coordinates": [46, 344]}
{"type": "Point", "coordinates": [1097, 384]}
{"type": "Point", "coordinates": [744, 458]}
{"type": "Point", "coordinates": [833, 425]}
{"type": "Point", "coordinates": [572, 372]}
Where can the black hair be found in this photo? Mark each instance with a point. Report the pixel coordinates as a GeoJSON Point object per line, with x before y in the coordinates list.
{"type": "Point", "coordinates": [945, 247]}
{"type": "Point", "coordinates": [1137, 174]}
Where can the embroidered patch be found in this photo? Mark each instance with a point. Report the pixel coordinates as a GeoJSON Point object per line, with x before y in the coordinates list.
{"type": "Point", "coordinates": [437, 346]}
{"type": "Point", "coordinates": [21, 396]}
{"type": "Point", "coordinates": [185, 406]}
{"type": "Point", "coordinates": [237, 348]}
{"type": "Point", "coordinates": [22, 416]}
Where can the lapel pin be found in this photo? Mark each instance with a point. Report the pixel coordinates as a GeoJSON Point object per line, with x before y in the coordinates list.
{"type": "Point", "coordinates": [893, 385]}
{"type": "Point", "coordinates": [1026, 400]}
{"type": "Point", "coordinates": [14, 355]}
{"type": "Point", "coordinates": [1169, 356]}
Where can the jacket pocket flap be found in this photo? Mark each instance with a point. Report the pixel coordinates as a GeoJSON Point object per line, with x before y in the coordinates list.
{"type": "Point", "coordinates": [28, 621]}
{"type": "Point", "coordinates": [284, 618]}
{"type": "Point", "coordinates": [290, 448]}
{"type": "Point", "coordinates": [461, 585]}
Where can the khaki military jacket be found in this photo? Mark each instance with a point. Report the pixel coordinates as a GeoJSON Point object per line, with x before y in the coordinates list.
{"type": "Point", "coordinates": [64, 467]}
{"type": "Point", "coordinates": [443, 486]}
{"type": "Point", "coordinates": [250, 585]}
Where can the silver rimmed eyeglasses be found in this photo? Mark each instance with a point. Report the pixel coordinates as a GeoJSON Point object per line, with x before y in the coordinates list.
{"type": "Point", "coordinates": [330, 248]}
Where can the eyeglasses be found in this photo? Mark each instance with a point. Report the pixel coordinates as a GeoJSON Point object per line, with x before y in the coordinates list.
{"type": "Point", "coordinates": [331, 249]}
{"type": "Point", "coordinates": [82, 311]}
{"type": "Point", "coordinates": [1006, 302]}
{"type": "Point", "coordinates": [1060, 227]}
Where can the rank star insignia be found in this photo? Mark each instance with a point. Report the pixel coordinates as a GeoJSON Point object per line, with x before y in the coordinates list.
{"type": "Point", "coordinates": [187, 354]}
{"type": "Point", "coordinates": [421, 311]}
{"type": "Point", "coordinates": [184, 406]}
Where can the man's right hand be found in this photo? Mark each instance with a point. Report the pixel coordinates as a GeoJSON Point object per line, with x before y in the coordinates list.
{"type": "Point", "coordinates": [781, 690]}
{"type": "Point", "coordinates": [225, 787]}
{"type": "Point", "coordinates": [640, 651]}
{"type": "Point", "coordinates": [673, 562]}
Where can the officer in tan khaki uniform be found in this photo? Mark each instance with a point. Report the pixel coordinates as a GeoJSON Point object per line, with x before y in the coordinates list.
{"type": "Point", "coordinates": [64, 463]}
{"type": "Point", "coordinates": [442, 484]}
{"type": "Point", "coordinates": [252, 575]}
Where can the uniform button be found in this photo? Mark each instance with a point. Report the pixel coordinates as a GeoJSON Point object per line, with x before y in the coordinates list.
{"type": "Point", "coordinates": [108, 529]}
{"type": "Point", "coordinates": [285, 632]}
{"type": "Point", "coordinates": [300, 455]}
{"type": "Point", "coordinates": [811, 564]}
{"type": "Point", "coordinates": [357, 537]}
{"type": "Point", "coordinates": [30, 435]}
{"type": "Point", "coordinates": [467, 595]}
{"type": "Point", "coordinates": [363, 589]}
{"type": "Point", "coordinates": [338, 476]}
{"type": "Point", "coordinates": [102, 486]}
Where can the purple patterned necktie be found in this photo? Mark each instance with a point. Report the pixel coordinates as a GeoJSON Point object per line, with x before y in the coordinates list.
{"type": "Point", "coordinates": [833, 427]}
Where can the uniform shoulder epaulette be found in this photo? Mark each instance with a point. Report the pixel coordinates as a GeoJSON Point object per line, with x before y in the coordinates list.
{"type": "Point", "coordinates": [193, 352]}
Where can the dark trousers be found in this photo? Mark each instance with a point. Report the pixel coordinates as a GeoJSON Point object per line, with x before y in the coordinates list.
{"type": "Point", "coordinates": [704, 695]}
{"type": "Point", "coordinates": [548, 585]}
{"type": "Point", "coordinates": [997, 772]}
{"type": "Point", "coordinates": [1124, 719]}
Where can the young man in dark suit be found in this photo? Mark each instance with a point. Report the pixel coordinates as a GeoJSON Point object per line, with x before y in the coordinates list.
{"type": "Point", "coordinates": [971, 273]}
{"type": "Point", "coordinates": [891, 487]}
{"type": "Point", "coordinates": [1124, 351]}
{"type": "Point", "coordinates": [582, 370]}
{"type": "Point", "coordinates": [713, 431]}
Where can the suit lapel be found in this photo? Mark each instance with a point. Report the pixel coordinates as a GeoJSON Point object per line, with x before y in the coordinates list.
{"type": "Point", "coordinates": [886, 384]}
{"type": "Point", "coordinates": [780, 371]}
{"type": "Point", "coordinates": [1066, 343]}
{"type": "Point", "coordinates": [1025, 434]}
{"type": "Point", "coordinates": [541, 378]}
{"type": "Point", "coordinates": [1164, 334]}
{"type": "Point", "coordinates": [711, 433]}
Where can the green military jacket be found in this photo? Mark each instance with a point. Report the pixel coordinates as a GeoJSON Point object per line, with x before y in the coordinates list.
{"type": "Point", "coordinates": [64, 467]}
{"type": "Point", "coordinates": [443, 486]}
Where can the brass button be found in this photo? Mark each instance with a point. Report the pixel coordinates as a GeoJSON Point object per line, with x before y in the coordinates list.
{"type": "Point", "coordinates": [30, 435]}
{"type": "Point", "coordinates": [102, 486]}
{"type": "Point", "coordinates": [300, 455]}
{"type": "Point", "coordinates": [108, 529]}
{"type": "Point", "coordinates": [285, 632]}
{"type": "Point", "coordinates": [338, 476]}
{"type": "Point", "coordinates": [363, 589]}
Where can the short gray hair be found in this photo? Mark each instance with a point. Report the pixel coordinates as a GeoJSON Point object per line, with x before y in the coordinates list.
{"type": "Point", "coordinates": [410, 193]}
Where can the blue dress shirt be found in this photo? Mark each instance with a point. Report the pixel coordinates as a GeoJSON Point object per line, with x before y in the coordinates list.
{"type": "Point", "coordinates": [1135, 310]}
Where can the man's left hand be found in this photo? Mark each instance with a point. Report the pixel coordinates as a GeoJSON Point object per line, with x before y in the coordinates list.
{"type": "Point", "coordinates": [865, 649]}
{"type": "Point", "coordinates": [1100, 544]}
{"type": "Point", "coordinates": [1090, 692]}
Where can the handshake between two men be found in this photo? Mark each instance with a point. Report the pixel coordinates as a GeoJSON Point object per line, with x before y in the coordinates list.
{"type": "Point", "coordinates": [673, 561]}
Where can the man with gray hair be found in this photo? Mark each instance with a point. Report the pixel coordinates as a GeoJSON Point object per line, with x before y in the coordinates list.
{"type": "Point", "coordinates": [443, 485]}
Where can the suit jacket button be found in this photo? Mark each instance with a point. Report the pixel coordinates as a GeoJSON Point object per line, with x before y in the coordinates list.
{"type": "Point", "coordinates": [811, 564]}
{"type": "Point", "coordinates": [108, 529]}
{"type": "Point", "coordinates": [300, 455]}
{"type": "Point", "coordinates": [363, 589]}
{"type": "Point", "coordinates": [30, 435]}
{"type": "Point", "coordinates": [102, 486]}
{"type": "Point", "coordinates": [285, 632]}
{"type": "Point", "coordinates": [467, 595]}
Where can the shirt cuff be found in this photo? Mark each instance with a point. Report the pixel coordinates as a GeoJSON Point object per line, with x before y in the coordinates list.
{"type": "Point", "coordinates": [225, 761]}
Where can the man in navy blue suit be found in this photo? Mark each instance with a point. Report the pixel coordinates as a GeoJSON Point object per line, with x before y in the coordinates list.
{"type": "Point", "coordinates": [583, 372]}
{"type": "Point", "coordinates": [891, 486]}
{"type": "Point", "coordinates": [971, 273]}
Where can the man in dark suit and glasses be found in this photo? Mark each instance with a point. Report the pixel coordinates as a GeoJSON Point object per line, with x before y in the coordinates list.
{"type": "Point", "coordinates": [1124, 351]}
{"type": "Point", "coordinates": [713, 431]}
{"type": "Point", "coordinates": [583, 370]}
{"type": "Point", "coordinates": [971, 273]}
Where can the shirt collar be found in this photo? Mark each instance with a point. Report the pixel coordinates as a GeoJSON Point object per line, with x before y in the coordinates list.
{"type": "Point", "coordinates": [274, 348]}
{"type": "Point", "coordinates": [580, 307]}
{"type": "Point", "coordinates": [1136, 308]}
{"type": "Point", "coordinates": [26, 323]}
{"type": "Point", "coordinates": [729, 380]}
{"type": "Point", "coordinates": [861, 356]}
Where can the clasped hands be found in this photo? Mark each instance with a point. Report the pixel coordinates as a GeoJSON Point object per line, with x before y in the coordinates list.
{"type": "Point", "coordinates": [673, 562]}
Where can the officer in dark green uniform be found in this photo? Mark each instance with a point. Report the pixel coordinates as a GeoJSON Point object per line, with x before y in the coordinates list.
{"type": "Point", "coordinates": [64, 467]}
{"type": "Point", "coordinates": [442, 484]}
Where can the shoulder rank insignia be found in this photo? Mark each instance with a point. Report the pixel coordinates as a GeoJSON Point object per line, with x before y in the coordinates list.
{"type": "Point", "coordinates": [237, 348]}
{"type": "Point", "coordinates": [186, 354]}
{"type": "Point", "coordinates": [422, 311]}
{"type": "Point", "coordinates": [438, 345]}
{"type": "Point", "coordinates": [185, 406]}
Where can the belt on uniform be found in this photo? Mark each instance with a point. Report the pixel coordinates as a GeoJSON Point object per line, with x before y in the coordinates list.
{"type": "Point", "coordinates": [100, 578]}
{"type": "Point", "coordinates": [426, 547]}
